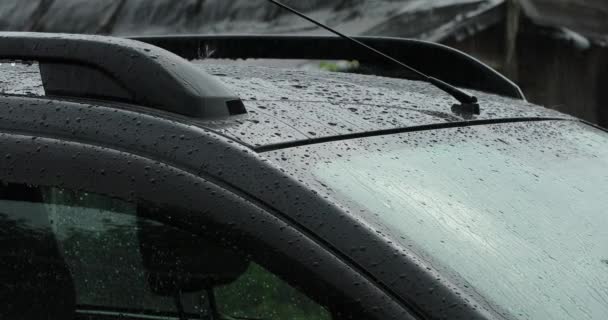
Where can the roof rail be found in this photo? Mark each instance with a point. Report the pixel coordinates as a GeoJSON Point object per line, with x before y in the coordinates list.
{"type": "Point", "coordinates": [85, 66]}
{"type": "Point", "coordinates": [434, 59]}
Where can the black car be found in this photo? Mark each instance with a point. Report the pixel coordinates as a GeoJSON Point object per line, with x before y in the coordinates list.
{"type": "Point", "coordinates": [135, 184]}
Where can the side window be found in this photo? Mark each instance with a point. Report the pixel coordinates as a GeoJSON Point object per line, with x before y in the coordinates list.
{"type": "Point", "coordinates": [75, 255]}
{"type": "Point", "coordinates": [24, 78]}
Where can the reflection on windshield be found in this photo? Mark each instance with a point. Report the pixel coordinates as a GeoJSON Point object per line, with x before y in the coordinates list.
{"type": "Point", "coordinates": [524, 222]}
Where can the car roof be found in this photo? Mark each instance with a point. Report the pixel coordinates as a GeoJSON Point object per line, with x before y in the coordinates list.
{"type": "Point", "coordinates": [284, 107]}
{"type": "Point", "coordinates": [290, 107]}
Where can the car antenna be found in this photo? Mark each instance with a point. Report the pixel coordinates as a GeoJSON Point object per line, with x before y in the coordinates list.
{"type": "Point", "coordinates": [468, 102]}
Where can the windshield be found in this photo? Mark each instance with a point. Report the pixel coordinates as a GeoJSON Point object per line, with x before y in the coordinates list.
{"type": "Point", "coordinates": [519, 211]}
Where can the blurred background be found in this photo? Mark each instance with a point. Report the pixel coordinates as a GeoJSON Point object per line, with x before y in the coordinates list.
{"type": "Point", "coordinates": [556, 50]}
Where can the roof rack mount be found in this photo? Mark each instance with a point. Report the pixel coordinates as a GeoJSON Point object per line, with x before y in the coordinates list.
{"type": "Point", "coordinates": [115, 69]}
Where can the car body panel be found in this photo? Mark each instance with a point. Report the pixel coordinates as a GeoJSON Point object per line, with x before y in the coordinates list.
{"type": "Point", "coordinates": [300, 106]}
{"type": "Point", "coordinates": [252, 176]}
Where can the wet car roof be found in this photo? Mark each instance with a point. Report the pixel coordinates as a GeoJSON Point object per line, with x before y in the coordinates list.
{"type": "Point", "coordinates": [289, 106]}
{"type": "Point", "coordinates": [296, 105]}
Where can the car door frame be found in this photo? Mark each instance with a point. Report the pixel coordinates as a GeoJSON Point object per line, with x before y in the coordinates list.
{"type": "Point", "coordinates": [57, 161]}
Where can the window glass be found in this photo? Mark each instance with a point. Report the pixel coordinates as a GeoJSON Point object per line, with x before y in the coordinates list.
{"type": "Point", "coordinates": [261, 295]}
{"type": "Point", "coordinates": [519, 211]}
{"type": "Point", "coordinates": [78, 255]}
{"type": "Point", "coordinates": [20, 78]}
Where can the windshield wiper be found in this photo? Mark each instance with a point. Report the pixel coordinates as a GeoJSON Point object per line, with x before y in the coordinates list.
{"type": "Point", "coordinates": [468, 103]}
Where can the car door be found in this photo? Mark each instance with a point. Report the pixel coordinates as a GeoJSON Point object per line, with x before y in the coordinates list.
{"type": "Point", "coordinates": [91, 232]}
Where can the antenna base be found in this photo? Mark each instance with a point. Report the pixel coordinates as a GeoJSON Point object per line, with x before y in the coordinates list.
{"type": "Point", "coordinates": [466, 110]}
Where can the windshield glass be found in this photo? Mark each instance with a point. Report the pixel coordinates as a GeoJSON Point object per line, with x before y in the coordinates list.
{"type": "Point", "coordinates": [519, 211]}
